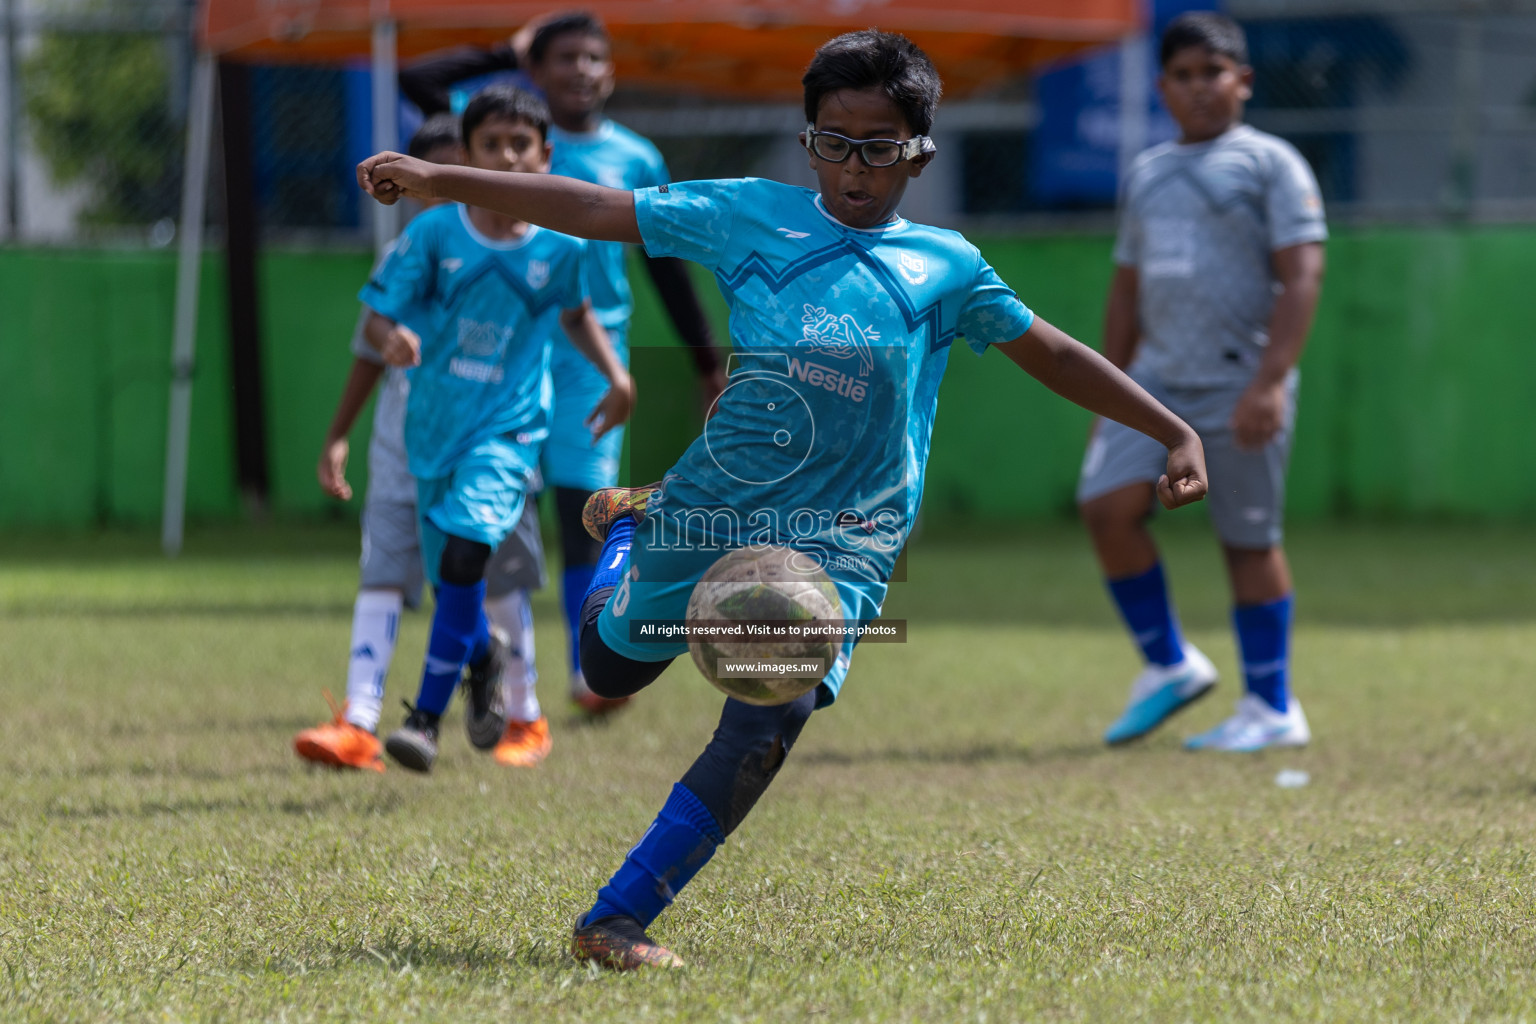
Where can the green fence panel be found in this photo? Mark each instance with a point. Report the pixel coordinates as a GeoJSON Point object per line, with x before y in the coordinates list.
{"type": "Point", "coordinates": [1418, 394]}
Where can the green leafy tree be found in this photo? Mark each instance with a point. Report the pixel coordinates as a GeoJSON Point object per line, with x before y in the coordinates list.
{"type": "Point", "coordinates": [98, 112]}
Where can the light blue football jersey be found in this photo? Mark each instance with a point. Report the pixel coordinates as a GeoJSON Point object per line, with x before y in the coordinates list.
{"type": "Point", "coordinates": [486, 311]}
{"type": "Point", "coordinates": [615, 157]}
{"type": "Point", "coordinates": [841, 337]}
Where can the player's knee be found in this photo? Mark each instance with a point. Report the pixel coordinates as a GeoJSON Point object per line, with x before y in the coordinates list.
{"type": "Point", "coordinates": [463, 562]}
{"type": "Point", "coordinates": [745, 755]}
{"type": "Point", "coordinates": [1113, 513]}
{"type": "Point", "coordinates": [610, 674]}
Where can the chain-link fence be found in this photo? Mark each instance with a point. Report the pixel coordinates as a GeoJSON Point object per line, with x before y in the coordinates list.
{"type": "Point", "coordinates": [93, 113]}
{"type": "Point", "coordinates": [1408, 109]}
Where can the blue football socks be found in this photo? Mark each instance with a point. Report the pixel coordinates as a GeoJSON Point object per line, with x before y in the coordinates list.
{"type": "Point", "coordinates": [679, 842]}
{"type": "Point", "coordinates": [609, 571]}
{"type": "Point", "coordinates": [459, 634]}
{"type": "Point", "coordinates": [574, 582]}
{"type": "Point", "coordinates": [1144, 605]}
{"type": "Point", "coordinates": [1263, 636]}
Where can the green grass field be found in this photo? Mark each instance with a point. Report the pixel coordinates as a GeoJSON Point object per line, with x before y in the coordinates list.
{"type": "Point", "coordinates": [950, 842]}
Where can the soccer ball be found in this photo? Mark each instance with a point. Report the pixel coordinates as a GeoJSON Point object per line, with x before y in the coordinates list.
{"type": "Point", "coordinates": [773, 607]}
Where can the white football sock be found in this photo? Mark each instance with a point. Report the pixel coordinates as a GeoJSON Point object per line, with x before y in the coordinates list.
{"type": "Point", "coordinates": [513, 615]}
{"type": "Point", "coordinates": [375, 624]}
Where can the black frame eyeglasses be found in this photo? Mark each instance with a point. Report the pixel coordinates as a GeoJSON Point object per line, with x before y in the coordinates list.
{"type": "Point", "coordinates": [896, 150]}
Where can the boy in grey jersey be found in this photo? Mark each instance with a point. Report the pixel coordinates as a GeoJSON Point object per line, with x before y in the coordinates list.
{"type": "Point", "coordinates": [1219, 264]}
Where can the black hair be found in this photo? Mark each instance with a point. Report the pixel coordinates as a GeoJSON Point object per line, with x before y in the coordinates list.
{"type": "Point", "coordinates": [862, 60]}
{"type": "Point", "coordinates": [505, 101]}
{"type": "Point", "coordinates": [1215, 32]}
{"type": "Point", "coordinates": [575, 23]}
{"type": "Point", "coordinates": [437, 130]}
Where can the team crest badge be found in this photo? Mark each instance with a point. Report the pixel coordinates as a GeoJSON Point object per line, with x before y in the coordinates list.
{"type": "Point", "coordinates": [913, 268]}
{"type": "Point", "coordinates": [538, 273]}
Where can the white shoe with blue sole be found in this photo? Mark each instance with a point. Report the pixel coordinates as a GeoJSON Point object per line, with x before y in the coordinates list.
{"type": "Point", "coordinates": [1256, 726]}
{"type": "Point", "coordinates": [1161, 692]}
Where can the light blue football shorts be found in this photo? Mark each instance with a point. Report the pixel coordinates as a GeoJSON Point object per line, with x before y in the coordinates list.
{"type": "Point", "coordinates": [659, 579]}
{"type": "Point", "coordinates": [571, 458]}
{"type": "Point", "coordinates": [481, 500]}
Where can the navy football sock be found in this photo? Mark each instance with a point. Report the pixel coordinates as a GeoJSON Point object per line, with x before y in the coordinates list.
{"type": "Point", "coordinates": [459, 632]}
{"type": "Point", "coordinates": [679, 842]}
{"type": "Point", "coordinates": [1263, 635]}
{"type": "Point", "coordinates": [1147, 611]}
{"type": "Point", "coordinates": [574, 582]}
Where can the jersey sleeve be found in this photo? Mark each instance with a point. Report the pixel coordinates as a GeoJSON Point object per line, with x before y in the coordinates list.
{"type": "Point", "coordinates": [692, 219]}
{"type": "Point", "coordinates": [1292, 203]}
{"type": "Point", "coordinates": [403, 283]}
{"type": "Point", "coordinates": [992, 313]}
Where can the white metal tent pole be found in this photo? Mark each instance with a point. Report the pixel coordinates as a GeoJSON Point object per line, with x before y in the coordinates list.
{"type": "Point", "coordinates": [194, 193]}
{"type": "Point", "coordinates": [386, 123]}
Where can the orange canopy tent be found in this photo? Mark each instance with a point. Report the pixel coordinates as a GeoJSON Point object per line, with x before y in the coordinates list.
{"type": "Point", "coordinates": [752, 48]}
{"type": "Point", "coordinates": [755, 48]}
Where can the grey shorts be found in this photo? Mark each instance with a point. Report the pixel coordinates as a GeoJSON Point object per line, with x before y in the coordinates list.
{"type": "Point", "coordinates": [391, 548]}
{"type": "Point", "coordinates": [392, 553]}
{"type": "Point", "coordinates": [1247, 495]}
{"type": "Point", "coordinates": [518, 564]}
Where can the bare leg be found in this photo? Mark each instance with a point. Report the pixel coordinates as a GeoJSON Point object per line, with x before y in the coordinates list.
{"type": "Point", "coordinates": [1117, 522]}
{"type": "Point", "coordinates": [1257, 575]}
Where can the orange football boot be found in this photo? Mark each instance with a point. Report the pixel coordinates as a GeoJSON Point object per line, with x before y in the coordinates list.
{"type": "Point", "coordinates": [524, 744]}
{"type": "Point", "coordinates": [339, 743]}
{"type": "Point", "coordinates": [620, 944]}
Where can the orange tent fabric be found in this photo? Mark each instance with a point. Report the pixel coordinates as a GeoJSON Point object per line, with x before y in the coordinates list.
{"type": "Point", "coordinates": [752, 48]}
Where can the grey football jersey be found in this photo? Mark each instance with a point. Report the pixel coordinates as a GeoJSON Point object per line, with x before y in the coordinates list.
{"type": "Point", "coordinates": [389, 475]}
{"type": "Point", "coordinates": [1198, 222]}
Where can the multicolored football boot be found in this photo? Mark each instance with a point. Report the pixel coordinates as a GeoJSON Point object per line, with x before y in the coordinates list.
{"type": "Point", "coordinates": [619, 944]}
{"type": "Point", "coordinates": [610, 504]}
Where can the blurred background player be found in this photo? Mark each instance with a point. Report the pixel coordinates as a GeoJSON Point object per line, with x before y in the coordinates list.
{"type": "Point", "coordinates": [391, 569]}
{"type": "Point", "coordinates": [568, 60]}
{"type": "Point", "coordinates": [870, 98]}
{"type": "Point", "coordinates": [1219, 264]}
{"type": "Point", "coordinates": [485, 293]}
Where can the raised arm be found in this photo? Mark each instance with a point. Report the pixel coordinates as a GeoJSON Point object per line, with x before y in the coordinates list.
{"type": "Point", "coordinates": [562, 204]}
{"type": "Point", "coordinates": [428, 81]}
{"type": "Point", "coordinates": [1079, 374]}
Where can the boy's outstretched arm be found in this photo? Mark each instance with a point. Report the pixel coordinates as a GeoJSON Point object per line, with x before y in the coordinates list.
{"type": "Point", "coordinates": [561, 204]}
{"type": "Point", "coordinates": [1079, 374]}
{"type": "Point", "coordinates": [332, 469]}
{"type": "Point", "coordinates": [591, 340]}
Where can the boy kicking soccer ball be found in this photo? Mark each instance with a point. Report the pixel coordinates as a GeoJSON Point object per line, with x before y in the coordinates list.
{"type": "Point", "coordinates": [470, 298]}
{"type": "Point", "coordinates": [1218, 268]}
{"type": "Point", "coordinates": [843, 315]}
